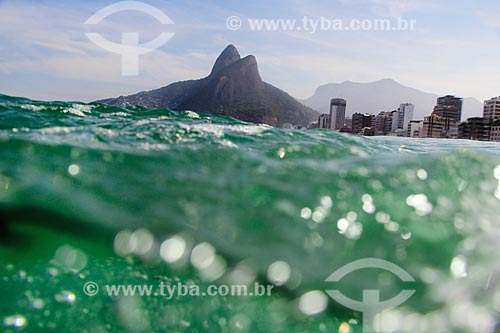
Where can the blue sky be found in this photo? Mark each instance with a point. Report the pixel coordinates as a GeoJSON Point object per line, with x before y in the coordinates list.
{"type": "Point", "coordinates": [44, 53]}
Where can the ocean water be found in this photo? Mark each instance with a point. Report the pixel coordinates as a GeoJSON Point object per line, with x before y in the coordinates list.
{"type": "Point", "coordinates": [133, 196]}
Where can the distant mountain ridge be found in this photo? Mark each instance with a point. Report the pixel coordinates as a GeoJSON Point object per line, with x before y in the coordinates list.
{"type": "Point", "coordinates": [233, 88]}
{"type": "Point", "coordinates": [383, 95]}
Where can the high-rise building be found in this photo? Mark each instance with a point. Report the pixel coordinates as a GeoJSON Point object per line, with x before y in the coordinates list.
{"type": "Point", "coordinates": [495, 131]}
{"type": "Point", "coordinates": [415, 128]}
{"type": "Point", "coordinates": [337, 113]}
{"type": "Point", "coordinates": [492, 109]}
{"type": "Point", "coordinates": [361, 121]}
{"type": "Point", "coordinates": [383, 123]}
{"type": "Point", "coordinates": [476, 128]}
{"type": "Point", "coordinates": [439, 127]}
{"type": "Point", "coordinates": [449, 107]}
{"type": "Point", "coordinates": [405, 115]}
{"type": "Point", "coordinates": [401, 118]}
{"type": "Point", "coordinates": [324, 121]}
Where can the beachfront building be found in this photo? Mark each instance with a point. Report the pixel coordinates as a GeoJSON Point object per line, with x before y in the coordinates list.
{"type": "Point", "coordinates": [449, 107]}
{"type": "Point", "coordinates": [324, 121]}
{"type": "Point", "coordinates": [415, 128]}
{"type": "Point", "coordinates": [383, 123]}
{"type": "Point", "coordinates": [403, 115]}
{"type": "Point", "coordinates": [492, 109]}
{"type": "Point", "coordinates": [438, 127]}
{"type": "Point", "coordinates": [444, 120]}
{"type": "Point", "coordinates": [495, 131]}
{"type": "Point", "coordinates": [476, 128]}
{"type": "Point", "coordinates": [337, 113]}
{"type": "Point", "coordinates": [361, 121]}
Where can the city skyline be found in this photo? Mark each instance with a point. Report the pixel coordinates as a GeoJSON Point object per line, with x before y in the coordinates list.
{"type": "Point", "coordinates": [52, 59]}
{"type": "Point", "coordinates": [445, 121]}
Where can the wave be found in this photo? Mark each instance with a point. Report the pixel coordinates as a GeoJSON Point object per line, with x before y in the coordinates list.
{"type": "Point", "coordinates": [315, 200]}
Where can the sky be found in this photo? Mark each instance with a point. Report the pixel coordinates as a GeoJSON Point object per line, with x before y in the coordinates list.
{"type": "Point", "coordinates": [454, 48]}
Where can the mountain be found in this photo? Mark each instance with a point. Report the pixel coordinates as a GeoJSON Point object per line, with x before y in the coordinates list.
{"type": "Point", "coordinates": [233, 88]}
{"type": "Point", "coordinates": [383, 95]}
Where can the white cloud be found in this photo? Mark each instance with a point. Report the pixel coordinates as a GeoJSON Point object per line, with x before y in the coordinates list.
{"type": "Point", "coordinates": [48, 40]}
{"type": "Point", "coordinates": [489, 18]}
{"type": "Point", "coordinates": [58, 48]}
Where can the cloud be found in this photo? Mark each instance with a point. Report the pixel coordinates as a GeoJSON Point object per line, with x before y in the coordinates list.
{"type": "Point", "coordinates": [46, 38]}
{"type": "Point", "coordinates": [489, 18]}
{"type": "Point", "coordinates": [58, 48]}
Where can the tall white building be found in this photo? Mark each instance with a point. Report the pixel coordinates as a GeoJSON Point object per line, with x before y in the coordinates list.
{"type": "Point", "coordinates": [337, 113]}
{"type": "Point", "coordinates": [492, 109]}
{"type": "Point", "coordinates": [415, 128]}
{"type": "Point", "coordinates": [405, 113]}
{"type": "Point", "coordinates": [401, 118]}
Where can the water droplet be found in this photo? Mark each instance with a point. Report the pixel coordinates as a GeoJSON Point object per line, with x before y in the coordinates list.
{"type": "Point", "coordinates": [122, 243]}
{"type": "Point", "coordinates": [406, 235]}
{"type": "Point", "coordinates": [244, 273]}
{"type": "Point", "coordinates": [327, 202]}
{"type": "Point", "coordinates": [355, 230]}
{"type": "Point", "coordinates": [392, 226]}
{"type": "Point", "coordinates": [420, 203]}
{"type": "Point", "coordinates": [70, 259]}
{"type": "Point", "coordinates": [369, 208]}
{"type": "Point", "coordinates": [281, 153]}
{"type": "Point", "coordinates": [422, 174]}
{"type": "Point", "coordinates": [37, 303]}
{"type": "Point", "coordinates": [345, 328]}
{"type": "Point", "coordinates": [306, 213]}
{"type": "Point", "coordinates": [352, 216]}
{"type": "Point", "coordinates": [367, 199]}
{"type": "Point", "coordinates": [214, 270]}
{"type": "Point", "coordinates": [142, 242]}
{"type": "Point", "coordinates": [343, 225]}
{"type": "Point", "coordinates": [279, 273]}
{"type": "Point", "coordinates": [313, 303]}
{"type": "Point", "coordinates": [16, 321]}
{"type": "Point", "coordinates": [383, 218]}
{"type": "Point", "coordinates": [73, 169]}
{"type": "Point", "coordinates": [202, 256]}
{"type": "Point", "coordinates": [66, 297]}
{"type": "Point", "coordinates": [458, 267]}
{"type": "Point", "coordinates": [319, 215]}
{"type": "Point", "coordinates": [173, 249]}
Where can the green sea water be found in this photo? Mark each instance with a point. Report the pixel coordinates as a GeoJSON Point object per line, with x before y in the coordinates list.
{"type": "Point", "coordinates": [136, 196]}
